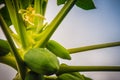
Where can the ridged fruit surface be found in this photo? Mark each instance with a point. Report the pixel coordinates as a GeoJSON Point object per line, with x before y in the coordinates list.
{"type": "Point", "coordinates": [42, 61]}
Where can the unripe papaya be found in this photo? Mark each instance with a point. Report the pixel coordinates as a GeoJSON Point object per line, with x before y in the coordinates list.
{"type": "Point", "coordinates": [41, 61]}
{"type": "Point", "coordinates": [58, 49]}
{"type": "Point", "coordinates": [71, 75]}
{"type": "Point", "coordinates": [67, 76]}
{"type": "Point", "coordinates": [80, 76]}
{"type": "Point", "coordinates": [4, 47]}
{"type": "Point", "coordinates": [77, 74]}
{"type": "Point", "coordinates": [33, 76]}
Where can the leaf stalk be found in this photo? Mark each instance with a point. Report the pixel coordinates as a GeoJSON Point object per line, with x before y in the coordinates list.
{"type": "Point", "coordinates": [93, 47]}
{"type": "Point", "coordinates": [66, 69]}
{"type": "Point", "coordinates": [19, 62]}
{"type": "Point", "coordinates": [55, 23]}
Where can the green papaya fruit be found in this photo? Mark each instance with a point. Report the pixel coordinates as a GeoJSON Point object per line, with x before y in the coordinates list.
{"type": "Point", "coordinates": [67, 76]}
{"type": "Point", "coordinates": [41, 60]}
{"type": "Point", "coordinates": [73, 75]}
{"type": "Point", "coordinates": [58, 49]}
{"type": "Point", "coordinates": [80, 76]}
{"type": "Point", "coordinates": [4, 47]}
{"type": "Point", "coordinates": [33, 76]}
{"type": "Point", "coordinates": [86, 78]}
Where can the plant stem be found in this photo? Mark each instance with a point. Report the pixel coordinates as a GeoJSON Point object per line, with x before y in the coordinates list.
{"type": "Point", "coordinates": [21, 26]}
{"type": "Point", "coordinates": [44, 6]}
{"type": "Point", "coordinates": [55, 23]}
{"type": "Point", "coordinates": [93, 47]}
{"type": "Point", "coordinates": [20, 64]}
{"type": "Point", "coordinates": [9, 60]}
{"type": "Point", "coordinates": [40, 8]}
{"type": "Point", "coordinates": [12, 14]}
{"type": "Point", "coordinates": [13, 7]}
{"type": "Point", "coordinates": [38, 22]}
{"type": "Point", "coordinates": [66, 69]}
{"type": "Point", "coordinates": [15, 38]}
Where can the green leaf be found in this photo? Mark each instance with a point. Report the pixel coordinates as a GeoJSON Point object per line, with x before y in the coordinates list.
{"type": "Point", "coordinates": [4, 47]}
{"type": "Point", "coordinates": [59, 2]}
{"type": "Point", "coordinates": [5, 14]}
{"type": "Point", "coordinates": [85, 4]}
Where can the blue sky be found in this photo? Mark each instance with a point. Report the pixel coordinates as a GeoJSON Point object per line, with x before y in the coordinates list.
{"type": "Point", "coordinates": [81, 28]}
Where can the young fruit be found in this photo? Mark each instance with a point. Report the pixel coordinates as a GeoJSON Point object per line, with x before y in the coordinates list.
{"type": "Point", "coordinates": [4, 47]}
{"type": "Point", "coordinates": [80, 76]}
{"type": "Point", "coordinates": [58, 49]}
{"type": "Point", "coordinates": [33, 76]}
{"type": "Point", "coordinates": [67, 76]}
{"type": "Point", "coordinates": [41, 61]}
{"type": "Point", "coordinates": [71, 75]}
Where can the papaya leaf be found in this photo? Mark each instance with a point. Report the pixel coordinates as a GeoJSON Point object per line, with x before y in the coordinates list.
{"type": "Point", "coordinates": [85, 4]}
{"type": "Point", "coordinates": [59, 2]}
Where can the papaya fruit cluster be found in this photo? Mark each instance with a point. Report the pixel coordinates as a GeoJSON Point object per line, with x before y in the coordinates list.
{"type": "Point", "coordinates": [43, 61]}
{"type": "Point", "coordinates": [40, 61]}
{"type": "Point", "coordinates": [65, 76]}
